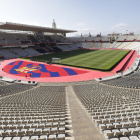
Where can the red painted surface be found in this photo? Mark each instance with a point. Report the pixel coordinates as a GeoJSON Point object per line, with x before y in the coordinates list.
{"type": "Point", "coordinates": [130, 62]}
{"type": "Point", "coordinates": [122, 63]}
{"type": "Point", "coordinates": [38, 70]}
{"type": "Point", "coordinates": [89, 75]}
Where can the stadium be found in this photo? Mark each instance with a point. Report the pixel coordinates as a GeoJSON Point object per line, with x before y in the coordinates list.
{"type": "Point", "coordinates": [57, 87]}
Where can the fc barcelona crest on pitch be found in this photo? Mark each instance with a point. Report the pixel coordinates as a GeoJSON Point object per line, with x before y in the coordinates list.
{"type": "Point", "coordinates": [39, 70]}
{"type": "Point", "coordinates": [28, 69]}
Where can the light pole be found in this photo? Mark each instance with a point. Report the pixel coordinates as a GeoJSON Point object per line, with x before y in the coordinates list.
{"type": "Point", "coordinates": [126, 32]}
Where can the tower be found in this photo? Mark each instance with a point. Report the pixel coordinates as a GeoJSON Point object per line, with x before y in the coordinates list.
{"type": "Point", "coordinates": [54, 24]}
{"type": "Point", "coordinates": [89, 35]}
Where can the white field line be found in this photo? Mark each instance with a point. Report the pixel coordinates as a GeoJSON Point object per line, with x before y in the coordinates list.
{"type": "Point", "coordinates": [110, 59]}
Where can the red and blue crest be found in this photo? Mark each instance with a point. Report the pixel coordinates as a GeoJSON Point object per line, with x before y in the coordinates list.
{"type": "Point", "coordinates": [37, 70]}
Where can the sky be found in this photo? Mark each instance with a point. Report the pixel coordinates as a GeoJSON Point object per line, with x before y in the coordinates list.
{"type": "Point", "coordinates": [84, 16]}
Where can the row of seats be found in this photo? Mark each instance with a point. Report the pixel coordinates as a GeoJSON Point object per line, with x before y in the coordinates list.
{"type": "Point", "coordinates": [34, 50]}
{"type": "Point", "coordinates": [3, 83]}
{"type": "Point", "coordinates": [37, 50]}
{"type": "Point", "coordinates": [36, 113]}
{"type": "Point", "coordinates": [9, 89]}
{"type": "Point", "coordinates": [115, 111]}
{"type": "Point", "coordinates": [130, 81]}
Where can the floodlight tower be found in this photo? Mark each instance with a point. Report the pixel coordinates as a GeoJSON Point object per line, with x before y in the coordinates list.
{"type": "Point", "coordinates": [126, 32]}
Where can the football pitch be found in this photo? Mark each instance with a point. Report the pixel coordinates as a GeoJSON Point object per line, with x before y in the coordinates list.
{"type": "Point", "coordinates": [84, 58]}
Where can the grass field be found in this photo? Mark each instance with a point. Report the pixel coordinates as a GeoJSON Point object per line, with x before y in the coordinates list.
{"type": "Point", "coordinates": [91, 59]}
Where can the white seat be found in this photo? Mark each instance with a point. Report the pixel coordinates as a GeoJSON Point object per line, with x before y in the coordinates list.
{"type": "Point", "coordinates": [111, 120]}
{"type": "Point", "coordinates": [15, 125]}
{"type": "Point", "coordinates": [34, 137]}
{"type": "Point", "coordinates": [35, 124]}
{"type": "Point", "coordinates": [133, 138]}
{"type": "Point", "coordinates": [115, 130]}
{"type": "Point", "coordinates": [1, 131]}
{"type": "Point", "coordinates": [122, 122]}
{"type": "Point", "coordinates": [43, 137]}
{"type": "Point", "coordinates": [109, 135]}
{"type": "Point", "coordinates": [25, 138]}
{"type": "Point", "coordinates": [107, 131]}
{"type": "Point", "coordinates": [135, 132]}
{"type": "Point", "coordinates": [114, 139]}
{"type": "Point", "coordinates": [123, 130]}
{"type": "Point", "coordinates": [115, 123]}
{"type": "Point", "coordinates": [32, 129]}
{"type": "Point", "coordinates": [16, 130]}
{"type": "Point", "coordinates": [97, 121]}
{"type": "Point", "coordinates": [24, 130]}
{"type": "Point", "coordinates": [52, 137]}
{"type": "Point", "coordinates": [102, 126]}
{"type": "Point", "coordinates": [16, 138]}
{"type": "Point", "coordinates": [118, 134]}
{"type": "Point", "coordinates": [39, 130]}
{"type": "Point", "coordinates": [28, 125]}
{"type": "Point", "coordinates": [22, 125]}
{"type": "Point", "coordinates": [137, 128]}
{"type": "Point", "coordinates": [135, 121]}
{"type": "Point", "coordinates": [61, 137]}
{"type": "Point", "coordinates": [9, 125]}
{"type": "Point", "coordinates": [8, 131]}
{"type": "Point", "coordinates": [108, 124]}
{"type": "Point", "coordinates": [54, 128]}
{"type": "Point", "coordinates": [62, 123]}
{"type": "Point", "coordinates": [61, 128]}
{"type": "Point", "coordinates": [131, 129]}
{"type": "Point", "coordinates": [47, 129]}
{"type": "Point", "coordinates": [7, 138]}
{"type": "Point", "coordinates": [124, 138]}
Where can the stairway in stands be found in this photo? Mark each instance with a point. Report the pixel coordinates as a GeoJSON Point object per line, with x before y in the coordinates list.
{"type": "Point", "coordinates": [127, 45]}
{"type": "Point", "coordinates": [119, 45]}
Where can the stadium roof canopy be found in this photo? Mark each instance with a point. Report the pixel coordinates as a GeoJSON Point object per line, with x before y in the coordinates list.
{"type": "Point", "coordinates": [24, 27]}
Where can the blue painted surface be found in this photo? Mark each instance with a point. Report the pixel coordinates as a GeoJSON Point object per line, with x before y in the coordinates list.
{"type": "Point", "coordinates": [33, 74]}
{"type": "Point", "coordinates": [70, 71]}
{"type": "Point", "coordinates": [13, 71]}
{"type": "Point", "coordinates": [52, 74]}
{"type": "Point", "coordinates": [12, 63]}
{"type": "Point", "coordinates": [29, 64]}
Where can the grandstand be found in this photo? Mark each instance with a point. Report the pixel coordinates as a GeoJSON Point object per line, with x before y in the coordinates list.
{"type": "Point", "coordinates": [65, 101]}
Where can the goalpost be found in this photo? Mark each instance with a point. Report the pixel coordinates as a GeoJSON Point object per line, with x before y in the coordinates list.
{"type": "Point", "coordinates": [56, 60]}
